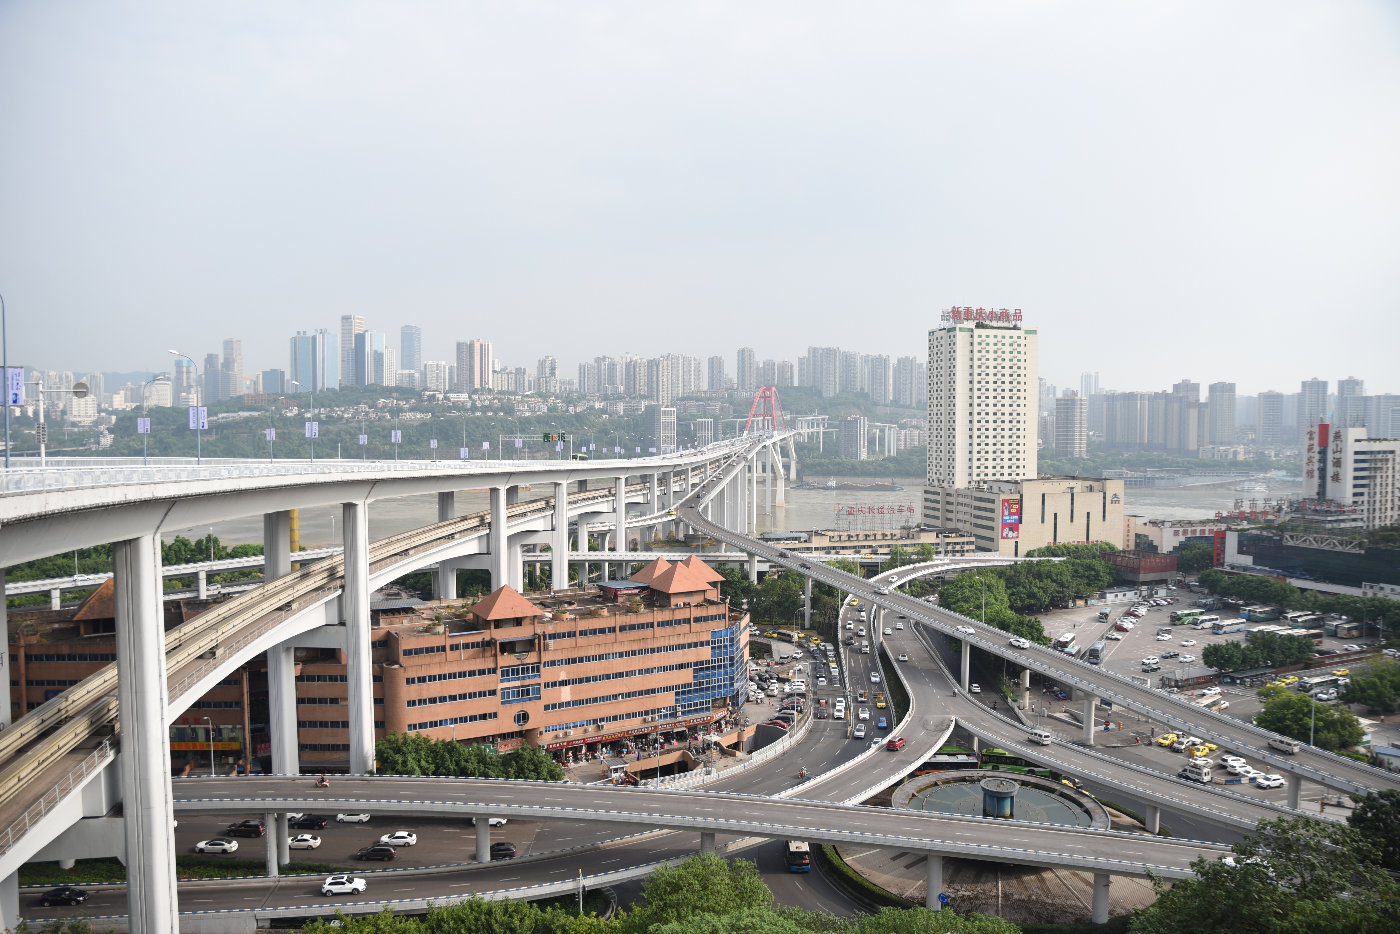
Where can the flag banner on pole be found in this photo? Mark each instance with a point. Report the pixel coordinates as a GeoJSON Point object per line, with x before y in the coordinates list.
{"type": "Point", "coordinates": [466, 453]}
{"type": "Point", "coordinates": [559, 445]}
{"type": "Point", "coordinates": [364, 439]}
{"type": "Point", "coordinates": [432, 443]}
{"type": "Point", "coordinates": [518, 442]}
{"type": "Point", "coordinates": [395, 436]}
{"type": "Point", "coordinates": [143, 426]}
{"type": "Point", "coordinates": [312, 429]}
{"type": "Point", "coordinates": [486, 445]}
{"type": "Point", "coordinates": [271, 432]}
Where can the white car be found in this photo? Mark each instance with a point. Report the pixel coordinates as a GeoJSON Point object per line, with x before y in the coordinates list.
{"type": "Point", "coordinates": [974, 688]}
{"type": "Point", "coordinates": [1187, 659]}
{"type": "Point", "coordinates": [1018, 643]}
{"type": "Point", "coordinates": [304, 841]}
{"type": "Point", "coordinates": [889, 631]}
{"type": "Point", "coordinates": [342, 884]}
{"type": "Point", "coordinates": [1115, 636]}
{"type": "Point", "coordinates": [859, 731]}
{"type": "Point", "coordinates": [863, 713]}
{"type": "Point", "coordinates": [966, 630]}
{"type": "Point", "coordinates": [1151, 660]}
{"type": "Point", "coordinates": [492, 821]}
{"type": "Point", "coordinates": [1165, 637]}
{"type": "Point", "coordinates": [821, 682]}
{"type": "Point", "coordinates": [903, 657]}
{"type": "Point", "coordinates": [352, 818]}
{"type": "Point", "coordinates": [1187, 643]}
{"type": "Point", "coordinates": [400, 838]}
{"type": "Point", "coordinates": [874, 677]}
{"type": "Point", "coordinates": [1269, 781]}
{"type": "Point", "coordinates": [218, 845]}
{"type": "Point", "coordinates": [1228, 761]}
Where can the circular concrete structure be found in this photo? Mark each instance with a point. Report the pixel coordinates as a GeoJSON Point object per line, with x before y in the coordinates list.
{"type": "Point", "coordinates": [998, 797]}
{"type": "Point", "coordinates": [1037, 799]}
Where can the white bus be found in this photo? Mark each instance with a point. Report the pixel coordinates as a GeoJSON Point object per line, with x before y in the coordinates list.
{"type": "Point", "coordinates": [1207, 621]}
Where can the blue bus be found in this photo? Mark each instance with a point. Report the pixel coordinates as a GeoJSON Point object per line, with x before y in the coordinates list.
{"type": "Point", "coordinates": [799, 856]}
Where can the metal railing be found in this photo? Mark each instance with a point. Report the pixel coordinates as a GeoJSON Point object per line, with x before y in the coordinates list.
{"type": "Point", "coordinates": [68, 784]}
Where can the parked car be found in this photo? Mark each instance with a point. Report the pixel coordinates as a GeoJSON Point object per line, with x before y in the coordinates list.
{"type": "Point", "coordinates": [400, 838]}
{"type": "Point", "coordinates": [304, 841]}
{"type": "Point", "coordinates": [1269, 781]}
{"type": "Point", "coordinates": [63, 895]}
{"type": "Point", "coordinates": [217, 845]}
{"type": "Point", "coordinates": [342, 884]}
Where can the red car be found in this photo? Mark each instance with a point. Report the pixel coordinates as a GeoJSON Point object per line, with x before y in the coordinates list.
{"type": "Point", "coordinates": [895, 743]}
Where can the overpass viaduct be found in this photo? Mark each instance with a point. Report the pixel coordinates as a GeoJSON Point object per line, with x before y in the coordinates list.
{"type": "Point", "coordinates": [720, 486]}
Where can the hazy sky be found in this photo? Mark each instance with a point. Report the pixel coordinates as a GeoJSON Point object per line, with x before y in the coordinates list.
{"type": "Point", "coordinates": [1168, 190]}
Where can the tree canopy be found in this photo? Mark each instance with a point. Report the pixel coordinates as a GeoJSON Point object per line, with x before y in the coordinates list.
{"type": "Point", "coordinates": [1263, 650]}
{"type": "Point", "coordinates": [1328, 726]}
{"type": "Point", "coordinates": [416, 754]}
{"type": "Point", "coordinates": [1377, 686]}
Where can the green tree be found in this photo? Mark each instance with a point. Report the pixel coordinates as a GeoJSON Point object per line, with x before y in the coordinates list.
{"type": "Point", "coordinates": [1194, 557]}
{"type": "Point", "coordinates": [1377, 686]}
{"type": "Point", "coordinates": [1377, 818]}
{"type": "Point", "coordinates": [1300, 876]}
{"type": "Point", "coordinates": [533, 764]}
{"type": "Point", "coordinates": [923, 921]}
{"type": "Point", "coordinates": [1299, 716]}
{"type": "Point", "coordinates": [703, 884]}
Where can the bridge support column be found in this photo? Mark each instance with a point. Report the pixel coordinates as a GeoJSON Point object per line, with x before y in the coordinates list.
{"type": "Point", "coordinates": [359, 666]}
{"type": "Point", "coordinates": [270, 843]}
{"type": "Point", "coordinates": [782, 478]}
{"type": "Point", "coordinates": [619, 515]}
{"type": "Point", "coordinates": [807, 603]}
{"type": "Point", "coordinates": [753, 569]}
{"type": "Point", "coordinates": [145, 760]}
{"type": "Point", "coordinates": [201, 584]}
{"type": "Point", "coordinates": [483, 839]}
{"type": "Point", "coordinates": [55, 599]}
{"type": "Point", "coordinates": [559, 541]}
{"type": "Point", "coordinates": [5, 716]}
{"type": "Point", "coordinates": [445, 574]}
{"type": "Point", "coordinates": [707, 842]}
{"type": "Point", "coordinates": [965, 664]}
{"type": "Point", "coordinates": [9, 901]}
{"type": "Point", "coordinates": [1089, 702]}
{"type": "Point", "coordinates": [935, 882]}
{"type": "Point", "coordinates": [277, 545]}
{"type": "Point", "coordinates": [498, 537]}
{"type": "Point", "coordinates": [1101, 883]}
{"type": "Point", "coordinates": [1152, 819]}
{"type": "Point", "coordinates": [1295, 790]}
{"type": "Point", "coordinates": [282, 710]}
{"type": "Point", "coordinates": [515, 566]}
{"type": "Point", "coordinates": [1025, 685]}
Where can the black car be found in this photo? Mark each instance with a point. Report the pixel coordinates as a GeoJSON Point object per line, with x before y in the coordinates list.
{"type": "Point", "coordinates": [503, 850]}
{"type": "Point", "coordinates": [63, 895]}
{"type": "Point", "coordinates": [247, 828]}
{"type": "Point", "coordinates": [307, 822]}
{"type": "Point", "coordinates": [378, 851]}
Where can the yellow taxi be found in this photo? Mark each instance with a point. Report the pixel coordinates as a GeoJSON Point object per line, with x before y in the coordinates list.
{"type": "Point", "coordinates": [1204, 749]}
{"type": "Point", "coordinates": [1166, 739]}
{"type": "Point", "coordinates": [1278, 685]}
{"type": "Point", "coordinates": [1341, 672]}
{"type": "Point", "coordinates": [1289, 679]}
{"type": "Point", "coordinates": [880, 701]}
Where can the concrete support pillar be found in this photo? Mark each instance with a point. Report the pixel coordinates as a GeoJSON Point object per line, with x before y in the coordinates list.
{"type": "Point", "coordinates": [55, 599]}
{"type": "Point", "coordinates": [515, 565]}
{"type": "Point", "coordinates": [583, 548]}
{"type": "Point", "coordinates": [270, 843]}
{"type": "Point", "coordinates": [976, 744]}
{"type": "Point", "coordinates": [282, 710]}
{"type": "Point", "coordinates": [498, 537]}
{"type": "Point", "coordinates": [9, 900]}
{"type": "Point", "coordinates": [483, 839]}
{"type": "Point", "coordinates": [445, 574]}
{"type": "Point", "coordinates": [67, 864]}
{"type": "Point", "coordinates": [766, 459]}
{"type": "Point", "coordinates": [1101, 883]}
{"type": "Point", "coordinates": [1295, 790]}
{"type": "Point", "coordinates": [965, 664]}
{"type": "Point", "coordinates": [145, 760]}
{"type": "Point", "coordinates": [359, 667]}
{"type": "Point", "coordinates": [5, 715]}
{"type": "Point", "coordinates": [620, 514]}
{"type": "Point", "coordinates": [782, 477]}
{"type": "Point", "coordinates": [753, 568]}
{"type": "Point", "coordinates": [935, 882]}
{"type": "Point", "coordinates": [1025, 686]}
{"type": "Point", "coordinates": [707, 842]}
{"type": "Point", "coordinates": [1152, 819]}
{"type": "Point", "coordinates": [201, 584]}
{"type": "Point", "coordinates": [1089, 702]}
{"type": "Point", "coordinates": [277, 545]}
{"type": "Point", "coordinates": [807, 603]}
{"type": "Point", "coordinates": [559, 541]}
{"type": "Point", "coordinates": [653, 492]}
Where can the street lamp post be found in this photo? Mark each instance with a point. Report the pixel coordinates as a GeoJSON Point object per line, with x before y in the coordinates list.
{"type": "Point", "coordinates": [5, 362]}
{"type": "Point", "coordinates": [311, 426]}
{"type": "Point", "coordinates": [198, 422]}
{"type": "Point", "coordinates": [147, 433]}
{"type": "Point", "coordinates": [210, 726]}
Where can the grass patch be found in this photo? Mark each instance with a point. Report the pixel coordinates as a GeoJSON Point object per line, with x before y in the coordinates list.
{"type": "Point", "coordinates": [98, 871]}
{"type": "Point", "coordinates": [1117, 925]}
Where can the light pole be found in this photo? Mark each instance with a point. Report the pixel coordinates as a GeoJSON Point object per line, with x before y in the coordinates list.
{"type": "Point", "coordinates": [311, 426]}
{"type": "Point", "coordinates": [198, 422]}
{"type": "Point", "coordinates": [147, 433]}
{"type": "Point", "coordinates": [5, 354]}
{"type": "Point", "coordinates": [210, 726]}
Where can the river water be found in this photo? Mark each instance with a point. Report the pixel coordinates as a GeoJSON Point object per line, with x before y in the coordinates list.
{"type": "Point", "coordinates": [831, 510]}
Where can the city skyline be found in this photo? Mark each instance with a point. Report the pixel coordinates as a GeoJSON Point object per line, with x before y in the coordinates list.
{"type": "Point", "coordinates": [174, 180]}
